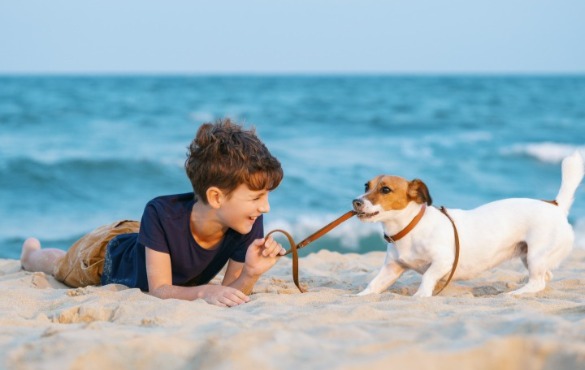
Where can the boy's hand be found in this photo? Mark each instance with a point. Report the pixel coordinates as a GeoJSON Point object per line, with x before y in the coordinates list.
{"type": "Point", "coordinates": [262, 255]}
{"type": "Point", "coordinates": [223, 296]}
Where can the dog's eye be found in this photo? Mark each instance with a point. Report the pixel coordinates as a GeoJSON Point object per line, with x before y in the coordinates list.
{"type": "Point", "coordinates": [385, 190]}
{"type": "Point", "coordinates": [367, 187]}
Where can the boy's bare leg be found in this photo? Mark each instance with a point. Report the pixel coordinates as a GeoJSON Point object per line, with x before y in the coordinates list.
{"type": "Point", "coordinates": [33, 258]}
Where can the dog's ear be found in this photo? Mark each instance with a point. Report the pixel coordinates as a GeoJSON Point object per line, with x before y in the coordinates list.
{"type": "Point", "coordinates": [418, 191]}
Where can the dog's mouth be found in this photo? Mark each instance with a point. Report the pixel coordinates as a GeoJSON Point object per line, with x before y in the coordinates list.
{"type": "Point", "coordinates": [364, 215]}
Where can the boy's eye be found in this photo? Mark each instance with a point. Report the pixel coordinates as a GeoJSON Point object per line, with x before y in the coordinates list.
{"type": "Point", "coordinates": [259, 196]}
{"type": "Point", "coordinates": [385, 190]}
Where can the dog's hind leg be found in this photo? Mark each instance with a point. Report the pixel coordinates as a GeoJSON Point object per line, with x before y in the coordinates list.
{"type": "Point", "coordinates": [388, 274]}
{"type": "Point", "coordinates": [536, 282]}
{"type": "Point", "coordinates": [549, 275]}
{"type": "Point", "coordinates": [541, 258]}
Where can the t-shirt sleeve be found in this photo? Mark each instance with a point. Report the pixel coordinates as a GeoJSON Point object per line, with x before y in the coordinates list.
{"type": "Point", "coordinates": [257, 232]}
{"type": "Point", "coordinates": [151, 232]}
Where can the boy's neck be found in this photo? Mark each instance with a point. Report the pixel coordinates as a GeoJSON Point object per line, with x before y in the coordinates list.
{"type": "Point", "coordinates": [205, 228]}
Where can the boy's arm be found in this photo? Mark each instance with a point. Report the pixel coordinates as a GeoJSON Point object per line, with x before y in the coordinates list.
{"type": "Point", "coordinates": [232, 272]}
{"type": "Point", "coordinates": [262, 254]}
{"type": "Point", "coordinates": [160, 284]}
{"type": "Point", "coordinates": [233, 277]}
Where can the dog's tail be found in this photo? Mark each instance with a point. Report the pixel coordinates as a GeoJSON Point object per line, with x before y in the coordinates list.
{"type": "Point", "coordinates": [573, 169]}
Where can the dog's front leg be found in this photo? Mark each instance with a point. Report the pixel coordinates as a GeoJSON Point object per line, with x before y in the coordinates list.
{"type": "Point", "coordinates": [388, 274]}
{"type": "Point", "coordinates": [430, 279]}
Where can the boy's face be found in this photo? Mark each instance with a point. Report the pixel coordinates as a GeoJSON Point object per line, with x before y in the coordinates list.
{"type": "Point", "coordinates": [240, 210]}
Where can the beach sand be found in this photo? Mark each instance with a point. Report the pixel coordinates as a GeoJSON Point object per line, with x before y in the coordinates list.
{"type": "Point", "coordinates": [45, 325]}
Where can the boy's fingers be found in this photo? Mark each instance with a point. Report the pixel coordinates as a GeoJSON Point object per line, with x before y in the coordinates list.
{"type": "Point", "coordinates": [276, 250]}
{"type": "Point", "coordinates": [268, 245]}
{"type": "Point", "coordinates": [272, 248]}
{"type": "Point", "coordinates": [220, 303]}
{"type": "Point", "coordinates": [241, 295]}
{"type": "Point", "coordinates": [259, 242]}
{"type": "Point", "coordinates": [238, 295]}
{"type": "Point", "coordinates": [236, 299]}
{"type": "Point", "coordinates": [280, 250]}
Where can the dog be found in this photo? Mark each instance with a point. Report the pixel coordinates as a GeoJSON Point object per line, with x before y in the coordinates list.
{"type": "Point", "coordinates": [537, 231]}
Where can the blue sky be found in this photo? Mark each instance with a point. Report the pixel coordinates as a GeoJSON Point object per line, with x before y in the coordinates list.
{"type": "Point", "coordinates": [292, 36]}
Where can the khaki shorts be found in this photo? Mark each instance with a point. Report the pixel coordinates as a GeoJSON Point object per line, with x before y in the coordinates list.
{"type": "Point", "coordinates": [83, 263]}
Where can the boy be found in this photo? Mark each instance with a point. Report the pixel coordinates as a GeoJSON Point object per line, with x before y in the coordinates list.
{"type": "Point", "coordinates": [184, 240]}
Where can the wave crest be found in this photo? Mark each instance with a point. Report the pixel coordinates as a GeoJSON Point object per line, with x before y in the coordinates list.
{"type": "Point", "coordinates": [548, 152]}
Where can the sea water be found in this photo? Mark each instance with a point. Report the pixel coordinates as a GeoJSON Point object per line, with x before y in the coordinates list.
{"type": "Point", "coordinates": [79, 152]}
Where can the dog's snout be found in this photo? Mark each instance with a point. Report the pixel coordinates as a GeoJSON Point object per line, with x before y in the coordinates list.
{"type": "Point", "coordinates": [357, 204]}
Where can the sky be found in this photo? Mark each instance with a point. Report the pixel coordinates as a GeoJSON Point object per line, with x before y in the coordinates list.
{"type": "Point", "coordinates": [292, 36]}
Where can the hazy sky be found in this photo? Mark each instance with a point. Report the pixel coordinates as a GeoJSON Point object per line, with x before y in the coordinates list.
{"type": "Point", "coordinates": [292, 36]}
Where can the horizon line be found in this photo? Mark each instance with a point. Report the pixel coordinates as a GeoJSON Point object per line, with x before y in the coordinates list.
{"type": "Point", "coordinates": [292, 74]}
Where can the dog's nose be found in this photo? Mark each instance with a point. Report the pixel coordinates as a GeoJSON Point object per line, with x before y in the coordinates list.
{"type": "Point", "coordinates": [357, 204]}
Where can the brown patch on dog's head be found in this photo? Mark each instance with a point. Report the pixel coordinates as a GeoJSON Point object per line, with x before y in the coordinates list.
{"type": "Point", "coordinates": [393, 192]}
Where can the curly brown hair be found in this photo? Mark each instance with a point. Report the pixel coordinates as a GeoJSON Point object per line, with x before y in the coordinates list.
{"type": "Point", "coordinates": [225, 155]}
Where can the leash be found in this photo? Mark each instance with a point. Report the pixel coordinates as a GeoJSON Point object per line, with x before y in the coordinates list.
{"type": "Point", "coordinates": [294, 247]}
{"type": "Point", "coordinates": [457, 247]}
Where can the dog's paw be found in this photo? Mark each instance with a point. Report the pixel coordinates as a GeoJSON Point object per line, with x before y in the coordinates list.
{"type": "Point", "coordinates": [421, 294]}
{"type": "Point", "coordinates": [366, 291]}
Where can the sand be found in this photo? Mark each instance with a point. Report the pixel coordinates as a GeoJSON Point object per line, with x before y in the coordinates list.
{"type": "Point", "coordinates": [471, 325]}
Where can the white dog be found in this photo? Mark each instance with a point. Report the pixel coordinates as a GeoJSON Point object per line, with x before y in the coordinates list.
{"type": "Point", "coordinates": [534, 230]}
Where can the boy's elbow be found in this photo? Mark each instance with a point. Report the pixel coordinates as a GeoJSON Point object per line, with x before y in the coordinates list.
{"type": "Point", "coordinates": [162, 292]}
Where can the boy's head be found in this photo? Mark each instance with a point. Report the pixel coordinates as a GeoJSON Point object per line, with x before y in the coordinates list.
{"type": "Point", "coordinates": [225, 155]}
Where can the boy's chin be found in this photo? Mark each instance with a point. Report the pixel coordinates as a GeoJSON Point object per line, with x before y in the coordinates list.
{"type": "Point", "coordinates": [243, 229]}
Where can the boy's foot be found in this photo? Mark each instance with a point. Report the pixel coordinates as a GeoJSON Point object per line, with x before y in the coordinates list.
{"type": "Point", "coordinates": [28, 247]}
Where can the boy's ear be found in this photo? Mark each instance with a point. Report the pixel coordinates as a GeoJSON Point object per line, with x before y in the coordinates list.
{"type": "Point", "coordinates": [214, 197]}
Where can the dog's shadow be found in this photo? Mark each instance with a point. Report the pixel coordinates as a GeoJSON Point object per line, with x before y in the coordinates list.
{"type": "Point", "coordinates": [488, 290]}
{"type": "Point", "coordinates": [459, 290]}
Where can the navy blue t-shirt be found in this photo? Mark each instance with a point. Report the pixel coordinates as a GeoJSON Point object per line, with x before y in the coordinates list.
{"type": "Point", "coordinates": [165, 227]}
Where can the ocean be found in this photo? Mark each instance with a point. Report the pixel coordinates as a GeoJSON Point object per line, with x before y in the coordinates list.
{"type": "Point", "coordinates": [77, 152]}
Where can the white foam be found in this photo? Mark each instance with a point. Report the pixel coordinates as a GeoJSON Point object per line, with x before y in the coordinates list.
{"type": "Point", "coordinates": [548, 152]}
{"type": "Point", "coordinates": [202, 116]}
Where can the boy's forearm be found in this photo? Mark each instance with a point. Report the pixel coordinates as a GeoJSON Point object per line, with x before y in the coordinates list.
{"type": "Point", "coordinates": [178, 292]}
{"type": "Point", "coordinates": [245, 282]}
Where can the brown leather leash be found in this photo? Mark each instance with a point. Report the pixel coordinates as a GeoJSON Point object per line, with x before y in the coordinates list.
{"type": "Point", "coordinates": [457, 247]}
{"type": "Point", "coordinates": [294, 247]}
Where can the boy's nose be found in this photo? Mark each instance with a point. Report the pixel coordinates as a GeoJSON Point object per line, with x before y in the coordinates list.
{"type": "Point", "coordinates": [265, 207]}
